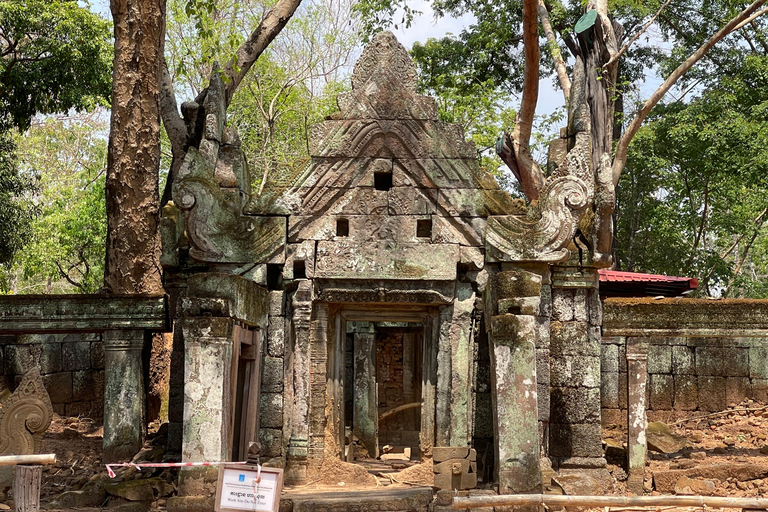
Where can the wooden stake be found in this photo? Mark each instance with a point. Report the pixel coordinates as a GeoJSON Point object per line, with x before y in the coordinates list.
{"type": "Point", "coordinates": [12, 460]}
{"type": "Point", "coordinates": [26, 488]}
{"type": "Point", "coordinates": [609, 501]}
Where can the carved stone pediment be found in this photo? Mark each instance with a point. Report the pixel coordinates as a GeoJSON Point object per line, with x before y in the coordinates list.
{"type": "Point", "coordinates": [25, 416]}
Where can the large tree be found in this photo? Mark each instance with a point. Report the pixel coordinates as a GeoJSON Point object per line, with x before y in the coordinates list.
{"type": "Point", "coordinates": [54, 56]}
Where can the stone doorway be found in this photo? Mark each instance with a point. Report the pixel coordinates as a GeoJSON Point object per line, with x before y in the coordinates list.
{"type": "Point", "coordinates": [387, 390]}
{"type": "Point", "coordinates": [384, 362]}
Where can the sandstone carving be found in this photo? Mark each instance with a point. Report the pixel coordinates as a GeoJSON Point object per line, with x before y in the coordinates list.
{"type": "Point", "coordinates": [25, 416]}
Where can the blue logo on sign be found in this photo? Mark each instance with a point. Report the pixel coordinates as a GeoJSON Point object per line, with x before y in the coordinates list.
{"type": "Point", "coordinates": [242, 478]}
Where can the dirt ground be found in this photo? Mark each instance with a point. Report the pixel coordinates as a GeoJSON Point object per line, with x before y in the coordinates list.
{"type": "Point", "coordinates": [717, 456]}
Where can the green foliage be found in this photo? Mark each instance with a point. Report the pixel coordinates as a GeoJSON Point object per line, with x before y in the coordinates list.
{"type": "Point", "coordinates": [54, 56]}
{"type": "Point", "coordinates": [16, 212]}
{"type": "Point", "coordinates": [691, 198]}
{"type": "Point", "coordinates": [65, 253]}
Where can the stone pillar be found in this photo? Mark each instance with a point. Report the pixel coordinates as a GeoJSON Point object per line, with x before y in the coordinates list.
{"type": "Point", "coordinates": [443, 384]}
{"type": "Point", "coordinates": [512, 306]}
{"type": "Point", "coordinates": [460, 330]}
{"type": "Point", "coordinates": [365, 424]}
{"type": "Point", "coordinates": [575, 431]}
{"type": "Point", "coordinates": [298, 443]}
{"type": "Point", "coordinates": [124, 397]}
{"type": "Point", "coordinates": [208, 343]}
{"type": "Point", "coordinates": [637, 376]}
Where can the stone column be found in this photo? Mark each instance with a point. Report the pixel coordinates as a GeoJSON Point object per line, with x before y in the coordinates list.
{"type": "Point", "coordinates": [461, 364]}
{"type": "Point", "coordinates": [124, 397]}
{"type": "Point", "coordinates": [443, 384]}
{"type": "Point", "coordinates": [298, 444]}
{"type": "Point", "coordinates": [365, 406]}
{"type": "Point", "coordinates": [637, 376]}
{"type": "Point", "coordinates": [512, 307]}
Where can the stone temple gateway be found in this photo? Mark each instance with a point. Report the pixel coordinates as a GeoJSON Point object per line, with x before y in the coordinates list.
{"type": "Point", "coordinates": [386, 291]}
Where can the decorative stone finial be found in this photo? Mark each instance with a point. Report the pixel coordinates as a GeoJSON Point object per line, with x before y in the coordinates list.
{"type": "Point", "coordinates": [385, 57]}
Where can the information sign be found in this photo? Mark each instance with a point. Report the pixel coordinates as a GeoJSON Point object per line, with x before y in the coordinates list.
{"type": "Point", "coordinates": [246, 487]}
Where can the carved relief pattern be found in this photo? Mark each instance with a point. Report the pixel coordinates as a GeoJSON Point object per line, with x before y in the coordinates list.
{"type": "Point", "coordinates": [547, 229]}
{"type": "Point", "coordinates": [25, 416]}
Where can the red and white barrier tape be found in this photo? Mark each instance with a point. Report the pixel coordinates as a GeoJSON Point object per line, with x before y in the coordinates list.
{"type": "Point", "coordinates": [171, 465]}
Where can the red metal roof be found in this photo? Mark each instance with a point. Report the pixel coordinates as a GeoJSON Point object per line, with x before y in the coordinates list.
{"type": "Point", "coordinates": [636, 284]}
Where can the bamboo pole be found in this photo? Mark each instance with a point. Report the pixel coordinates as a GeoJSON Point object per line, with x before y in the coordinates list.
{"type": "Point", "coordinates": [12, 460]}
{"type": "Point", "coordinates": [609, 501]}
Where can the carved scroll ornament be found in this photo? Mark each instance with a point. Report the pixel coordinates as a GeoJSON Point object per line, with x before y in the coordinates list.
{"type": "Point", "coordinates": [25, 416]}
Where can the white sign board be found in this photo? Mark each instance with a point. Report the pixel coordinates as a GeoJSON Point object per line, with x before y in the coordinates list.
{"type": "Point", "coordinates": [239, 489]}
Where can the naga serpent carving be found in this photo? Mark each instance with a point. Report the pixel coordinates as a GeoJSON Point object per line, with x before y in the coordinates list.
{"type": "Point", "coordinates": [25, 416]}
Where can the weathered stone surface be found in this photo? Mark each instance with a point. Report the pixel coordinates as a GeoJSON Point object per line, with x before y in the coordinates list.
{"type": "Point", "coordinates": [243, 299]}
{"type": "Point", "coordinates": [609, 358]}
{"type": "Point", "coordinates": [683, 360]}
{"type": "Point", "coordinates": [572, 338]}
{"type": "Point", "coordinates": [445, 453]}
{"type": "Point", "coordinates": [583, 371]}
{"type": "Point", "coordinates": [272, 375]}
{"type": "Point", "coordinates": [662, 439]}
{"type": "Point", "coordinates": [271, 410]}
{"type": "Point", "coordinates": [686, 392]}
{"type": "Point", "coordinates": [342, 260]}
{"type": "Point", "coordinates": [737, 389]}
{"type": "Point", "coordinates": [690, 487]}
{"type": "Point", "coordinates": [475, 202]}
{"type": "Point", "coordinates": [25, 416]}
{"type": "Point", "coordinates": [576, 404]}
{"type": "Point", "coordinates": [580, 482]}
{"type": "Point", "coordinates": [562, 304]}
{"type": "Point", "coordinates": [271, 440]}
{"type": "Point", "coordinates": [659, 359]}
{"type": "Point", "coordinates": [575, 440]}
{"type": "Point", "coordinates": [276, 337]}
{"type": "Point", "coordinates": [712, 393]}
{"type": "Point", "coordinates": [80, 313]}
{"type": "Point", "coordinates": [661, 391]}
{"type": "Point", "coordinates": [365, 501]}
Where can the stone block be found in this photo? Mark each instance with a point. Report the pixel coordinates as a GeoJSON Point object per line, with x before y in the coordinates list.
{"type": "Point", "coordinates": [613, 417]}
{"type": "Point", "coordinates": [595, 307]}
{"type": "Point", "coordinates": [59, 387]}
{"type": "Point", "coordinates": [760, 390]}
{"type": "Point", "coordinates": [542, 333]}
{"type": "Point", "coordinates": [97, 355]}
{"type": "Point", "coordinates": [575, 405]}
{"type": "Point", "coordinates": [661, 390]}
{"type": "Point", "coordinates": [542, 400]}
{"type": "Point", "coordinates": [686, 392]}
{"type": "Point", "coordinates": [468, 202]}
{"type": "Point", "coordinates": [623, 390]}
{"type": "Point", "coordinates": [580, 305]}
{"type": "Point", "coordinates": [737, 389]}
{"type": "Point", "coordinates": [545, 306]}
{"type": "Point", "coordinates": [683, 360]}
{"type": "Point", "coordinates": [451, 481]}
{"type": "Point", "coordinates": [447, 453]}
{"type": "Point", "coordinates": [572, 338]}
{"type": "Point", "coordinates": [543, 371]}
{"type": "Point", "coordinates": [575, 440]}
{"type": "Point", "coordinates": [562, 304]}
{"type": "Point", "coordinates": [609, 358]}
{"type": "Point", "coordinates": [277, 303]}
{"type": "Point", "coordinates": [271, 410]}
{"type": "Point", "coordinates": [76, 356]}
{"type": "Point", "coordinates": [276, 337]}
{"type": "Point", "coordinates": [609, 390]}
{"type": "Point", "coordinates": [709, 361]}
{"type": "Point", "coordinates": [516, 283]}
{"type": "Point", "coordinates": [88, 385]}
{"type": "Point", "coordinates": [271, 440]}
{"type": "Point", "coordinates": [409, 200]}
{"type": "Point", "coordinates": [580, 371]}
{"type": "Point", "coordinates": [511, 329]}
{"type": "Point", "coordinates": [345, 260]}
{"type": "Point", "coordinates": [272, 377]}
{"type": "Point", "coordinates": [711, 393]}
{"type": "Point", "coordinates": [758, 362]}
{"type": "Point", "coordinates": [736, 362]}
{"type": "Point", "coordinates": [659, 359]}
{"type": "Point", "coordinates": [622, 356]}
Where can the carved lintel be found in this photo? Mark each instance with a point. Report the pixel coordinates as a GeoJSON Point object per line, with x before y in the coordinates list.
{"type": "Point", "coordinates": [25, 416]}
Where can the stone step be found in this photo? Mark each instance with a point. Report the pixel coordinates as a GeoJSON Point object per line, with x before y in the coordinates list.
{"type": "Point", "coordinates": [388, 500]}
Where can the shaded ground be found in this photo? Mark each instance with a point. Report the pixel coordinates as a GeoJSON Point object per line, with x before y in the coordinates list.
{"type": "Point", "coordinates": [723, 454]}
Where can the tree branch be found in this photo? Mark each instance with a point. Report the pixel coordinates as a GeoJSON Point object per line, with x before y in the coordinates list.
{"type": "Point", "coordinates": [516, 152]}
{"type": "Point", "coordinates": [271, 25]}
{"type": "Point", "coordinates": [621, 149]}
{"type": "Point", "coordinates": [169, 112]}
{"type": "Point", "coordinates": [629, 43]}
{"type": "Point", "coordinates": [557, 55]}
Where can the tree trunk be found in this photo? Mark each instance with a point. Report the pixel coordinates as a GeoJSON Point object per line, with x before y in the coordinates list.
{"type": "Point", "coordinates": [133, 205]}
